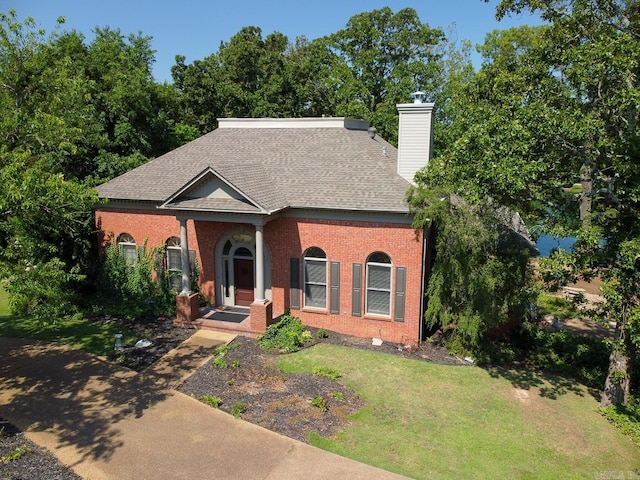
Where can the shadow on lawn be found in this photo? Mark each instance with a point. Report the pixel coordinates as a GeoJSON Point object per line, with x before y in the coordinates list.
{"type": "Point", "coordinates": [78, 397]}
{"type": "Point", "coordinates": [551, 386]}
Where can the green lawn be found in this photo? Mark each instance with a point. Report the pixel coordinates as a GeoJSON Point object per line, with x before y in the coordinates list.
{"type": "Point", "coordinates": [434, 421]}
{"type": "Point", "coordinates": [93, 337]}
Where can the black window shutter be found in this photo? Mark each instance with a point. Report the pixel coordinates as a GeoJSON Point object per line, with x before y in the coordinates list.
{"type": "Point", "coordinates": [356, 290]}
{"type": "Point", "coordinates": [335, 287]}
{"type": "Point", "coordinates": [294, 291]}
{"type": "Point", "coordinates": [401, 285]}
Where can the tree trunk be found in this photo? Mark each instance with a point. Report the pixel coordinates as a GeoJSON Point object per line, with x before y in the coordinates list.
{"type": "Point", "coordinates": [586, 197]}
{"type": "Point", "coordinates": [616, 387]}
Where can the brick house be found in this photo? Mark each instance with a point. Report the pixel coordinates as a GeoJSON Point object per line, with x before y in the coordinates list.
{"type": "Point", "coordinates": [303, 214]}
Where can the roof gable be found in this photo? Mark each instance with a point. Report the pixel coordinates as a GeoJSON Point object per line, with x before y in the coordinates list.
{"type": "Point", "coordinates": [209, 190]}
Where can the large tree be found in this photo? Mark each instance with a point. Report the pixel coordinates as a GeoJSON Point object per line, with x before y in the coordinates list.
{"type": "Point", "coordinates": [554, 106]}
{"type": "Point", "coordinates": [378, 59]}
{"type": "Point", "coordinates": [71, 114]}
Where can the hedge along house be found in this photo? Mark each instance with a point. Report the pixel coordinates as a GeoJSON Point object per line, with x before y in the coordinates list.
{"type": "Point", "coordinates": [303, 214]}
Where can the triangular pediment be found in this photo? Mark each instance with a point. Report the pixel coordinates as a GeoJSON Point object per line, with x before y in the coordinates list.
{"type": "Point", "coordinates": [210, 191]}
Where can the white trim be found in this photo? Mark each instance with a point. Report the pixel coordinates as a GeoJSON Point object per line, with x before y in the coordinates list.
{"type": "Point", "coordinates": [305, 282]}
{"type": "Point", "coordinates": [390, 290]}
{"type": "Point", "coordinates": [310, 122]}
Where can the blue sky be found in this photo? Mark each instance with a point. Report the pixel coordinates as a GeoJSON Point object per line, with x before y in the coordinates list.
{"type": "Point", "coordinates": [196, 28]}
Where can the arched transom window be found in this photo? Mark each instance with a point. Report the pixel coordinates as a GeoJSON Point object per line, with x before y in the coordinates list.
{"type": "Point", "coordinates": [127, 246]}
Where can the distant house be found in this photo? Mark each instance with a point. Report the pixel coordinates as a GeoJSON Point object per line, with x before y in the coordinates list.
{"type": "Point", "coordinates": [308, 215]}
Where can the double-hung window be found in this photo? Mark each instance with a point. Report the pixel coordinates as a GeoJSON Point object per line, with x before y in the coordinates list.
{"type": "Point", "coordinates": [378, 296]}
{"type": "Point", "coordinates": [315, 278]}
{"type": "Point", "coordinates": [127, 246]}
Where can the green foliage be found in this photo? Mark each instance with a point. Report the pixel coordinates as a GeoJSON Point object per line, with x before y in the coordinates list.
{"type": "Point", "coordinates": [583, 358]}
{"type": "Point", "coordinates": [15, 454]}
{"type": "Point", "coordinates": [320, 403]}
{"type": "Point", "coordinates": [44, 290]}
{"type": "Point", "coordinates": [321, 333]}
{"type": "Point", "coordinates": [559, 307]}
{"type": "Point", "coordinates": [130, 289]}
{"type": "Point", "coordinates": [211, 400]}
{"type": "Point", "coordinates": [286, 336]}
{"type": "Point", "coordinates": [221, 351]}
{"type": "Point", "coordinates": [219, 362]}
{"type": "Point", "coordinates": [481, 277]}
{"type": "Point", "coordinates": [326, 372]}
{"type": "Point", "coordinates": [625, 417]}
{"type": "Point", "coordinates": [338, 396]}
{"type": "Point", "coordinates": [238, 409]}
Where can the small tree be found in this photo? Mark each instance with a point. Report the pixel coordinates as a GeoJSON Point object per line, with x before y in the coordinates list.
{"type": "Point", "coordinates": [481, 277]}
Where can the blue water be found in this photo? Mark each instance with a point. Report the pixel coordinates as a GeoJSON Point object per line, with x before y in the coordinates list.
{"type": "Point", "coordinates": [546, 243]}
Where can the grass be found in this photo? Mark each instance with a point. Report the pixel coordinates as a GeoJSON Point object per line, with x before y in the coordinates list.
{"type": "Point", "coordinates": [434, 421]}
{"type": "Point", "coordinates": [76, 332]}
{"type": "Point", "coordinates": [559, 307]}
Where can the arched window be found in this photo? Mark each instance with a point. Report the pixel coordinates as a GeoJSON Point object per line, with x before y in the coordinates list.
{"type": "Point", "coordinates": [378, 299]}
{"type": "Point", "coordinates": [315, 278]}
{"type": "Point", "coordinates": [127, 246]}
{"type": "Point", "coordinates": [174, 263]}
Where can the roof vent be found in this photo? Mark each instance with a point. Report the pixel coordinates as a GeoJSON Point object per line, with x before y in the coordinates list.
{"type": "Point", "coordinates": [419, 96]}
{"type": "Point", "coordinates": [372, 132]}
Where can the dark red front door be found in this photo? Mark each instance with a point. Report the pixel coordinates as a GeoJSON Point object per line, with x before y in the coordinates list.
{"type": "Point", "coordinates": [243, 273]}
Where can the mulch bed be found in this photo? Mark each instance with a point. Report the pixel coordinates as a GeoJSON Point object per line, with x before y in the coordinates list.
{"type": "Point", "coordinates": [282, 402]}
{"type": "Point", "coordinates": [21, 459]}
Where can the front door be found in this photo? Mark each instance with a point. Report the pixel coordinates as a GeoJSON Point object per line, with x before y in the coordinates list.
{"type": "Point", "coordinates": [243, 273]}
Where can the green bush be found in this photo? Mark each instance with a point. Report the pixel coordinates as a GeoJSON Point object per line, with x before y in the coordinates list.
{"type": "Point", "coordinates": [583, 358]}
{"type": "Point", "coordinates": [625, 418]}
{"type": "Point", "coordinates": [321, 333]}
{"type": "Point", "coordinates": [286, 336]}
{"type": "Point", "coordinates": [320, 403]}
{"type": "Point", "coordinates": [326, 372]}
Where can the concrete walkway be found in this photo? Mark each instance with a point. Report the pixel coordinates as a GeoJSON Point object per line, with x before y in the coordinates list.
{"type": "Point", "coordinates": [107, 422]}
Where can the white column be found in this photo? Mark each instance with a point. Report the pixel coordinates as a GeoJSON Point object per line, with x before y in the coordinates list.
{"type": "Point", "coordinates": [184, 258]}
{"type": "Point", "coordinates": [259, 265]}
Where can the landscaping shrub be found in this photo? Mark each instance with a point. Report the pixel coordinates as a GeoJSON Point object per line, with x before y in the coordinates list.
{"type": "Point", "coordinates": [320, 403]}
{"type": "Point", "coordinates": [130, 290]}
{"type": "Point", "coordinates": [286, 336]}
{"type": "Point", "coordinates": [326, 372]}
{"type": "Point", "coordinates": [583, 358]}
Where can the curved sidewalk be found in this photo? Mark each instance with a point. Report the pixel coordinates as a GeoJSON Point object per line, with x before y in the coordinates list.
{"type": "Point", "coordinates": [107, 422]}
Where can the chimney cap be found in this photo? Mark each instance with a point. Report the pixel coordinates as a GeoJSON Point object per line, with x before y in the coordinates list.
{"type": "Point", "coordinates": [418, 96]}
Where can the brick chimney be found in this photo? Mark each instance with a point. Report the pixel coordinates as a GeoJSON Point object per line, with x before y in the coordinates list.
{"type": "Point", "coordinates": [414, 135]}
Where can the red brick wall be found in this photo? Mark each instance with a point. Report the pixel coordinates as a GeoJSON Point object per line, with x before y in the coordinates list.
{"type": "Point", "coordinates": [345, 241]}
{"type": "Point", "coordinates": [348, 242]}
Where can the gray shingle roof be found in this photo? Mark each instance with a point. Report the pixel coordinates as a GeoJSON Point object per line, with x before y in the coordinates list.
{"type": "Point", "coordinates": [324, 167]}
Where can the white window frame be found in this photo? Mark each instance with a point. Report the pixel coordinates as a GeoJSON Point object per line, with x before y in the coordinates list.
{"type": "Point", "coordinates": [388, 291]}
{"type": "Point", "coordinates": [128, 248]}
{"type": "Point", "coordinates": [325, 284]}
